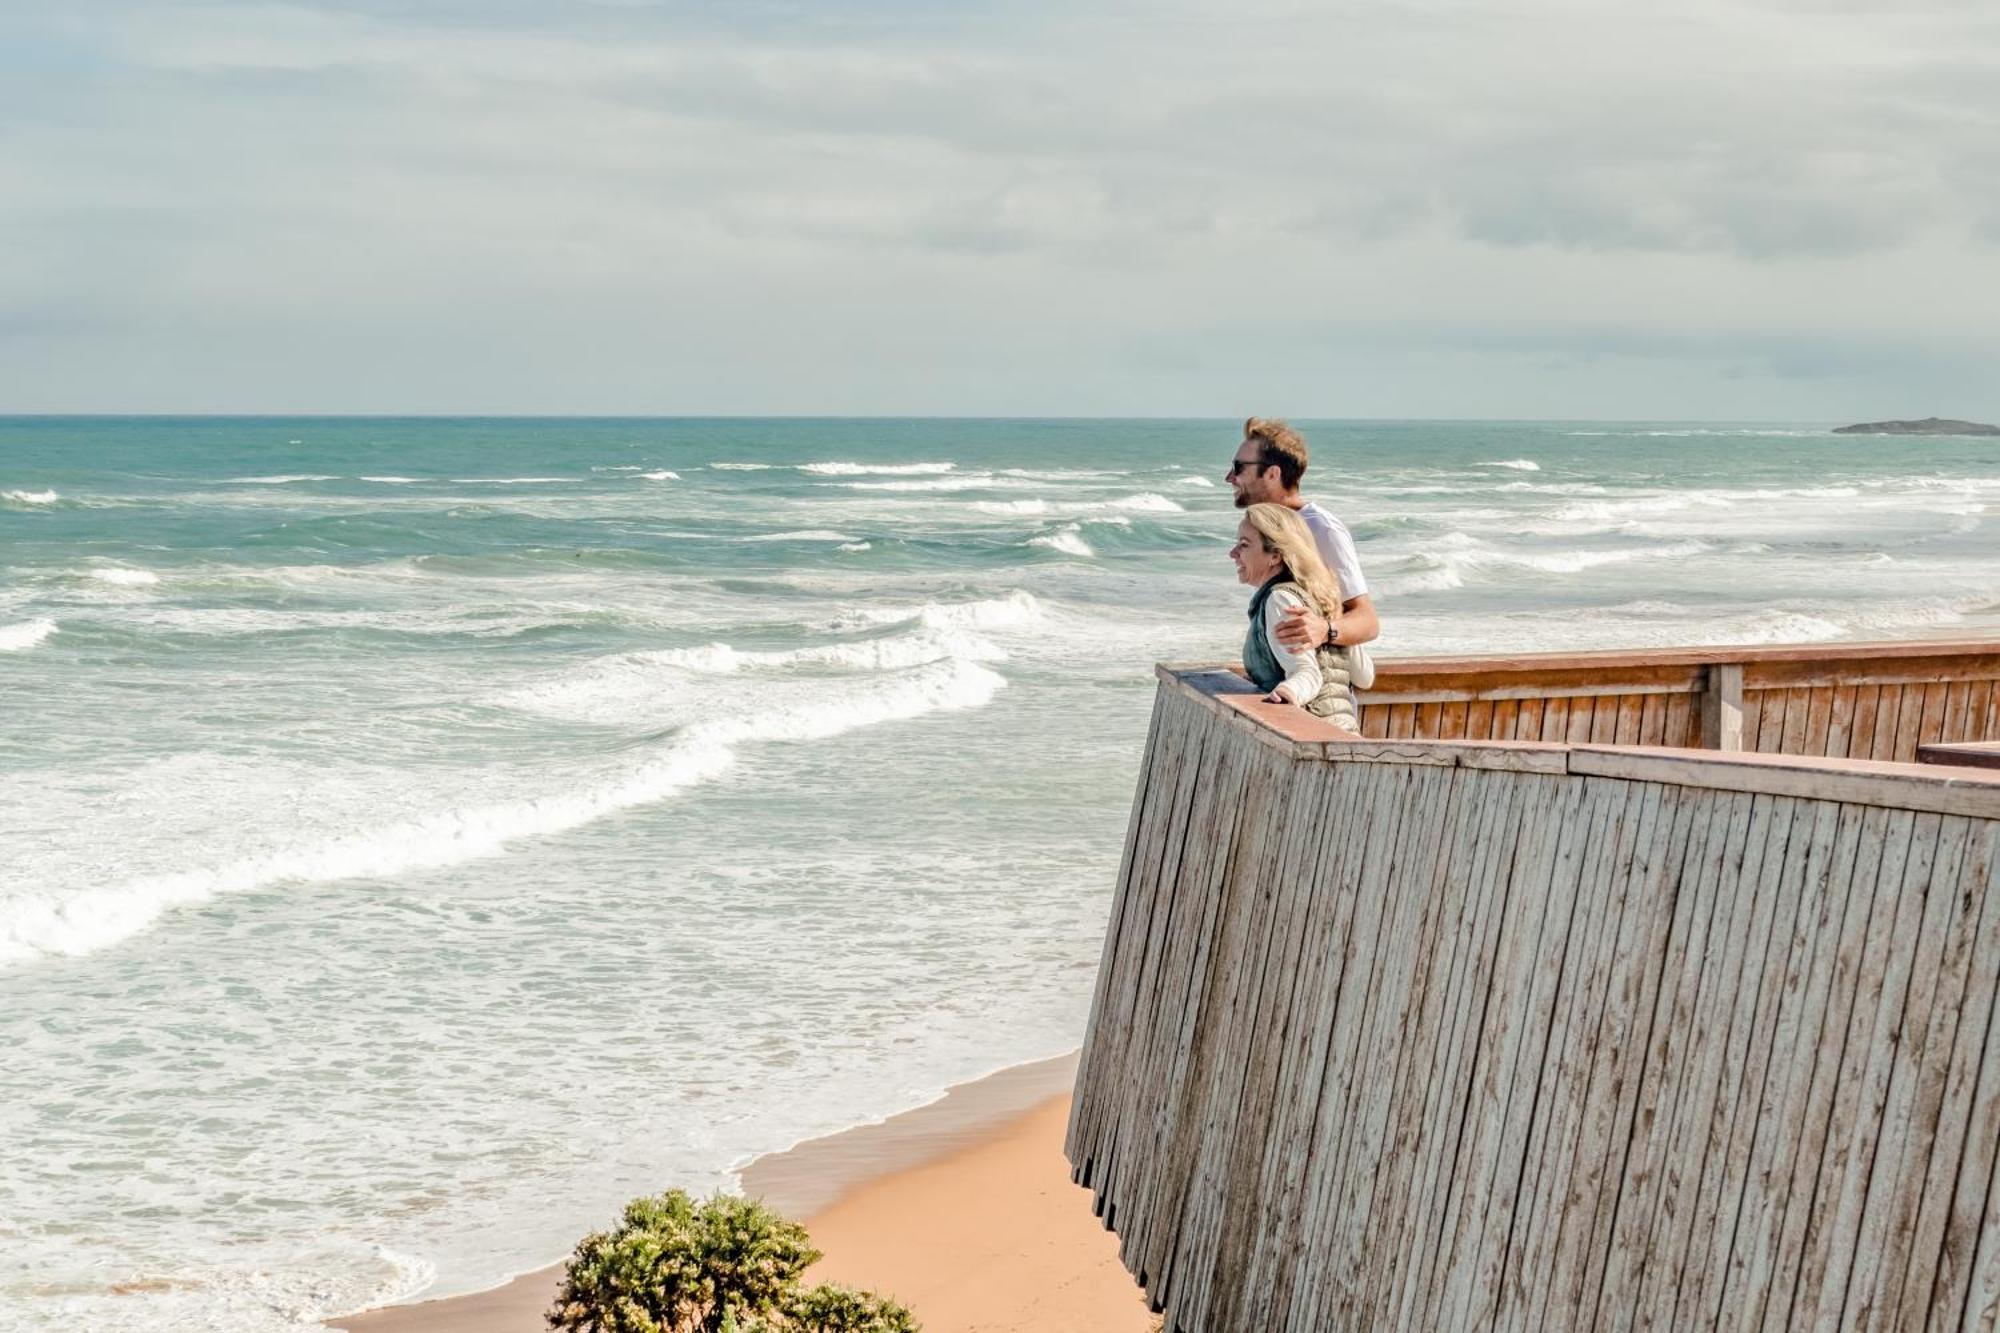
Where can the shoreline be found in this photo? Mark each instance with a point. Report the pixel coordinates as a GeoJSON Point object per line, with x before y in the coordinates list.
{"type": "Point", "coordinates": [856, 1187]}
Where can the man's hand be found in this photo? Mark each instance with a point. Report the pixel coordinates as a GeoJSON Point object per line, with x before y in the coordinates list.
{"type": "Point", "coordinates": [1302, 629]}
{"type": "Point", "coordinates": [1281, 695]}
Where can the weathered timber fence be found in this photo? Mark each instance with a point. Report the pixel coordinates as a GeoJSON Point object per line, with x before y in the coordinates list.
{"type": "Point", "coordinates": [1846, 701]}
{"type": "Point", "coordinates": [1455, 1035]}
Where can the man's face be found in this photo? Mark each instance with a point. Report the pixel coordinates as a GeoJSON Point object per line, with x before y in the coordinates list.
{"type": "Point", "coordinates": [1252, 484]}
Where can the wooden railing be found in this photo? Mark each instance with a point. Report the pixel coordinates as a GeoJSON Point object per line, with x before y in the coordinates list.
{"type": "Point", "coordinates": [1858, 701]}
{"type": "Point", "coordinates": [1534, 1034]}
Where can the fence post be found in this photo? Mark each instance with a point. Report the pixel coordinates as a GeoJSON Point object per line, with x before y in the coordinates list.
{"type": "Point", "coordinates": [1722, 707]}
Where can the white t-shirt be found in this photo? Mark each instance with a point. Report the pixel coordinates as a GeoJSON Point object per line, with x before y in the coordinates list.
{"type": "Point", "coordinates": [1336, 547]}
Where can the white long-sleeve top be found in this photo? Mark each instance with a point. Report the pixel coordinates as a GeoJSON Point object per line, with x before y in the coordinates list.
{"type": "Point", "coordinates": [1303, 678]}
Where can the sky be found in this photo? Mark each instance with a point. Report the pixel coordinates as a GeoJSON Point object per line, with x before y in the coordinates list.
{"type": "Point", "coordinates": [1710, 209]}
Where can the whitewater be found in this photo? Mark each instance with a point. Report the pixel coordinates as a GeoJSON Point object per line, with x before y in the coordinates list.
{"type": "Point", "coordinates": [423, 835]}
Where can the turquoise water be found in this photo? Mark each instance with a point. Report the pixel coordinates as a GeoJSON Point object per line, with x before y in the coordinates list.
{"type": "Point", "coordinates": [421, 835]}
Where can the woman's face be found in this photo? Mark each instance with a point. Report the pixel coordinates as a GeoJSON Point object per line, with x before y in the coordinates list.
{"type": "Point", "coordinates": [1254, 564]}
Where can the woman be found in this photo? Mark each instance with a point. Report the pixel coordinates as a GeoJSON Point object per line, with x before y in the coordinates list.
{"type": "Point", "coordinates": [1274, 553]}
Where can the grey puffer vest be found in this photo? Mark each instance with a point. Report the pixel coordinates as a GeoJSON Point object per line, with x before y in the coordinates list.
{"type": "Point", "coordinates": [1335, 700]}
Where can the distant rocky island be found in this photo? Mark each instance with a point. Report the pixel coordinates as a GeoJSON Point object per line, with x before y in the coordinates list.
{"type": "Point", "coordinates": [1928, 426]}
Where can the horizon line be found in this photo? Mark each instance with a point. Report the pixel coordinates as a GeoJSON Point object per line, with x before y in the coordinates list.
{"type": "Point", "coordinates": [845, 416]}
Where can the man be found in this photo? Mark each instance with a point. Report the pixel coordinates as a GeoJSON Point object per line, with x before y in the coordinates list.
{"type": "Point", "coordinates": [1267, 469]}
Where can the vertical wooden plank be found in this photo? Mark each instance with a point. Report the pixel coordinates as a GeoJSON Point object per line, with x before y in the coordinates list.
{"type": "Point", "coordinates": [1456, 720]}
{"type": "Point", "coordinates": [1756, 713]}
{"type": "Point", "coordinates": [1581, 710]}
{"type": "Point", "coordinates": [1819, 720]}
{"type": "Point", "coordinates": [1555, 720]}
{"type": "Point", "coordinates": [1957, 694]}
{"type": "Point", "coordinates": [1631, 714]}
{"type": "Point", "coordinates": [1528, 722]}
{"type": "Point", "coordinates": [1683, 723]}
{"type": "Point", "coordinates": [1402, 721]}
{"type": "Point", "coordinates": [1977, 695]}
{"type": "Point", "coordinates": [1479, 720]}
{"type": "Point", "coordinates": [1990, 731]}
{"type": "Point", "coordinates": [1374, 720]}
{"type": "Point", "coordinates": [1840, 721]}
{"type": "Point", "coordinates": [1506, 717]}
{"type": "Point", "coordinates": [1430, 721]}
{"type": "Point", "coordinates": [1888, 705]}
{"type": "Point", "coordinates": [1867, 705]}
{"type": "Point", "coordinates": [1652, 721]}
{"type": "Point", "coordinates": [1923, 705]}
{"type": "Point", "coordinates": [1930, 726]}
{"type": "Point", "coordinates": [1604, 718]}
{"type": "Point", "coordinates": [1798, 712]}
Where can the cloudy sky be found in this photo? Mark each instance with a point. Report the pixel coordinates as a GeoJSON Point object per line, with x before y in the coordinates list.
{"type": "Point", "coordinates": [1763, 209]}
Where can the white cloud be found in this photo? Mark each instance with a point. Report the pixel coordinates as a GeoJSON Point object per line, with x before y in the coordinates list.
{"type": "Point", "coordinates": [895, 208]}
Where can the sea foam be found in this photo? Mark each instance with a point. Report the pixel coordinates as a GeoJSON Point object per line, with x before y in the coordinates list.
{"type": "Point", "coordinates": [878, 469]}
{"type": "Point", "coordinates": [37, 923]}
{"type": "Point", "coordinates": [20, 637]}
{"type": "Point", "coordinates": [125, 577]}
{"type": "Point", "coordinates": [29, 499]}
{"type": "Point", "coordinates": [1067, 540]}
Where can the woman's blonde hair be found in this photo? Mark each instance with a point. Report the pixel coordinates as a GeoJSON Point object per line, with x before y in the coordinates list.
{"type": "Point", "coordinates": [1286, 536]}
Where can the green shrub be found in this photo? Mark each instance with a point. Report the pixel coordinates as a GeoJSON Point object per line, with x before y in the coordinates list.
{"type": "Point", "coordinates": [834, 1309]}
{"type": "Point", "coordinates": [724, 1265]}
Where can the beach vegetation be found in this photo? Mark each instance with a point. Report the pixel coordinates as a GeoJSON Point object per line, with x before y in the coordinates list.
{"type": "Point", "coordinates": [724, 1264]}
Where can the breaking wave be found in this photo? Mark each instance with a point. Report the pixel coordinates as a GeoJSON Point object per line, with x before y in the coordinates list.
{"type": "Point", "coordinates": [18, 638]}
{"type": "Point", "coordinates": [36, 923]}
{"type": "Point", "coordinates": [124, 577]}
{"type": "Point", "coordinates": [1069, 541]}
{"type": "Point", "coordinates": [876, 469]}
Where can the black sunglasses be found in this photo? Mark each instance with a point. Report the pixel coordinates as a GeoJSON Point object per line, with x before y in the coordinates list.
{"type": "Point", "coordinates": [1238, 464]}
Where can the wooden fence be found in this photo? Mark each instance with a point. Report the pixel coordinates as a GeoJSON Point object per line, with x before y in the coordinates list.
{"type": "Point", "coordinates": [1466, 1035]}
{"type": "Point", "coordinates": [1847, 701]}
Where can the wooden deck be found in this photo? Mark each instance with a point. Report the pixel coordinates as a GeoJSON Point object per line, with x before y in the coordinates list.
{"type": "Point", "coordinates": [1561, 1026]}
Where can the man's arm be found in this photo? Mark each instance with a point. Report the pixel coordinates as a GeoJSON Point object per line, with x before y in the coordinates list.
{"type": "Point", "coordinates": [1304, 626]}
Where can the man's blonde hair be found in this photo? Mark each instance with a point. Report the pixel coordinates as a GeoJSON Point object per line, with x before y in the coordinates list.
{"type": "Point", "coordinates": [1286, 536]}
{"type": "Point", "coordinates": [1278, 446]}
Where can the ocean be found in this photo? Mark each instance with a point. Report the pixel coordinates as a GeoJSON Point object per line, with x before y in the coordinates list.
{"type": "Point", "coordinates": [419, 836]}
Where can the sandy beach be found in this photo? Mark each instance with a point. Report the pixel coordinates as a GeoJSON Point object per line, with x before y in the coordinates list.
{"type": "Point", "coordinates": [963, 1209]}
